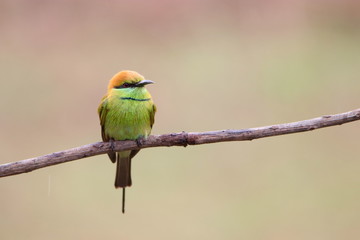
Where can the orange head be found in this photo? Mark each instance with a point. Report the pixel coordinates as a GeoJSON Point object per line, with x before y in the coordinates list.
{"type": "Point", "coordinates": [125, 79]}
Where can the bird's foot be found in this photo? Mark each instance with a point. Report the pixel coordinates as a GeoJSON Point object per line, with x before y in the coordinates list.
{"type": "Point", "coordinates": [185, 140]}
{"type": "Point", "coordinates": [112, 145]}
{"type": "Point", "coordinates": [139, 142]}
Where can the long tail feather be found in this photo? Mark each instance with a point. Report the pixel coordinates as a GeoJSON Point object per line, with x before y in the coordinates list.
{"type": "Point", "coordinates": [123, 174]}
{"type": "Point", "coordinates": [123, 201]}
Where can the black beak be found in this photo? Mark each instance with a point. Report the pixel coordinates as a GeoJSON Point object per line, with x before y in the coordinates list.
{"type": "Point", "coordinates": [143, 83]}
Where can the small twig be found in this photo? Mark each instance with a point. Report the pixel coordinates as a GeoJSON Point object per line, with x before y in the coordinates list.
{"type": "Point", "coordinates": [177, 139]}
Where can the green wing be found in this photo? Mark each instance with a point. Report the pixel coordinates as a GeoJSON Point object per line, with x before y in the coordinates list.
{"type": "Point", "coordinates": [103, 111]}
{"type": "Point", "coordinates": [152, 115]}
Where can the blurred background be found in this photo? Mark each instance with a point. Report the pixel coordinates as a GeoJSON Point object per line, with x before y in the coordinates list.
{"type": "Point", "coordinates": [217, 65]}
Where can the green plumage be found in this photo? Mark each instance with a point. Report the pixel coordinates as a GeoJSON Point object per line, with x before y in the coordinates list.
{"type": "Point", "coordinates": [126, 113]}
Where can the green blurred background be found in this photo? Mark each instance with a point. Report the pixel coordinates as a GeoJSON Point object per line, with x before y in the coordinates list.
{"type": "Point", "coordinates": [217, 65]}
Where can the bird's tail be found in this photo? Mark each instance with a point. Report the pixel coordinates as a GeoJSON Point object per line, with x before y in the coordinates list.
{"type": "Point", "coordinates": [123, 173]}
{"type": "Point", "coordinates": [123, 170]}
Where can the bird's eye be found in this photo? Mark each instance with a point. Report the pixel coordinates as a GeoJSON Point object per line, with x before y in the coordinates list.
{"type": "Point", "coordinates": [125, 85]}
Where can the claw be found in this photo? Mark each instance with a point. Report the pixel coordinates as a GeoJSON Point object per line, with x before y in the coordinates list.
{"type": "Point", "coordinates": [138, 142]}
{"type": "Point", "coordinates": [112, 145]}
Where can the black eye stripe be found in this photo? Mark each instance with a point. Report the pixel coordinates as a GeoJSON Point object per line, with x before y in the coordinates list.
{"type": "Point", "coordinates": [125, 85]}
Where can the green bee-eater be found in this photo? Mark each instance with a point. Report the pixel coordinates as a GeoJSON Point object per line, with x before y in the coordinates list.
{"type": "Point", "coordinates": [126, 113]}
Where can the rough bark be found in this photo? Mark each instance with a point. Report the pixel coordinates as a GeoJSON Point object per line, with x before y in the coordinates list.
{"type": "Point", "coordinates": [177, 139]}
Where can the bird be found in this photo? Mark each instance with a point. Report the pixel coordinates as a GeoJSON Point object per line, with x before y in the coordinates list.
{"type": "Point", "coordinates": [126, 112]}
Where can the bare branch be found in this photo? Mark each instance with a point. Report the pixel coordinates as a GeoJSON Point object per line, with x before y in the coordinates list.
{"type": "Point", "coordinates": [177, 139]}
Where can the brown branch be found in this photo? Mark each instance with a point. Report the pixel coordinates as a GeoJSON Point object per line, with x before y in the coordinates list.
{"type": "Point", "coordinates": [177, 139]}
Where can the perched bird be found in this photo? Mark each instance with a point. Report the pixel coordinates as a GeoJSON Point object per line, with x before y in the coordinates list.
{"type": "Point", "coordinates": [126, 113]}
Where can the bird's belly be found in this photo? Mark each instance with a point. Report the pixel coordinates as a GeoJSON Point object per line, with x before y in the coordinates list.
{"type": "Point", "coordinates": [131, 124]}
